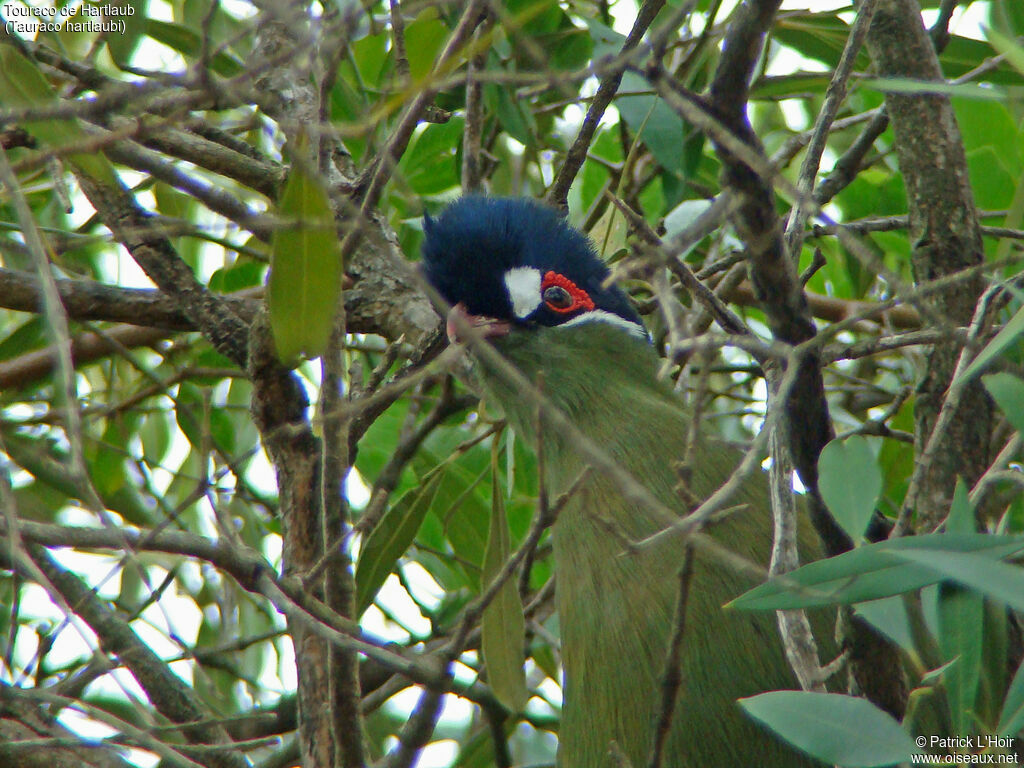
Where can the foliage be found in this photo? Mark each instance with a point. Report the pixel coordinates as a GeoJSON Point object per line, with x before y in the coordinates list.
{"type": "Point", "coordinates": [157, 569]}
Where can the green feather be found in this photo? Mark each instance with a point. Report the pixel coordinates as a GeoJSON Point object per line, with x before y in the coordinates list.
{"type": "Point", "coordinates": [616, 607]}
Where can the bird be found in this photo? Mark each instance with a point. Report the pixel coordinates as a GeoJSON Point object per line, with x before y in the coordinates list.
{"type": "Point", "coordinates": [525, 282]}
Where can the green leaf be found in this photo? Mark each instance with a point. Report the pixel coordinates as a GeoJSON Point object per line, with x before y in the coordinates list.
{"type": "Point", "coordinates": [23, 85]}
{"type": "Point", "coordinates": [993, 184]}
{"type": "Point", "coordinates": [305, 268]}
{"type": "Point", "coordinates": [1011, 719]}
{"type": "Point", "coordinates": [995, 671]}
{"type": "Point", "coordinates": [961, 621]}
{"type": "Point", "coordinates": [1007, 46]}
{"type": "Point", "coordinates": [544, 657]}
{"type": "Point", "coordinates": [240, 275]}
{"type": "Point", "coordinates": [570, 46]}
{"type": "Point", "coordinates": [836, 729]}
{"type": "Point", "coordinates": [390, 539]}
{"type": "Point", "coordinates": [1008, 392]}
{"type": "Point", "coordinates": [963, 90]}
{"type": "Point", "coordinates": [122, 43]}
{"type": "Point", "coordinates": [170, 202]}
{"type": "Point", "coordinates": [819, 36]}
{"type": "Point", "coordinates": [683, 216]}
{"type": "Point", "coordinates": [369, 55]}
{"type": "Point", "coordinates": [537, 17]}
{"type": "Point", "coordinates": [223, 431]}
{"type": "Point", "coordinates": [963, 54]}
{"type": "Point", "coordinates": [476, 751]}
{"type": "Point", "coordinates": [607, 42]}
{"type": "Point", "coordinates": [889, 616]}
{"type": "Point", "coordinates": [870, 572]}
{"type": "Point", "coordinates": [1009, 334]}
{"type": "Point", "coordinates": [502, 627]}
{"type": "Point", "coordinates": [823, 37]}
{"type": "Point", "coordinates": [430, 164]}
{"type": "Point", "coordinates": [189, 410]}
{"type": "Point", "coordinates": [989, 124]}
{"type": "Point", "coordinates": [609, 233]}
{"type": "Point", "coordinates": [992, 578]}
{"type": "Point", "coordinates": [155, 435]}
{"type": "Point", "coordinates": [514, 119]}
{"type": "Point", "coordinates": [106, 465]}
{"type": "Point", "coordinates": [72, 37]}
{"type": "Point", "coordinates": [850, 483]}
{"type": "Point", "coordinates": [961, 513]}
{"type": "Point", "coordinates": [1007, 15]}
{"type": "Point", "coordinates": [424, 37]}
{"type": "Point", "coordinates": [660, 128]}
{"type": "Point", "coordinates": [463, 512]}
{"type": "Point", "coordinates": [873, 191]}
{"type": "Point", "coordinates": [188, 43]}
{"type": "Point", "coordinates": [23, 338]}
{"type": "Point", "coordinates": [47, 462]}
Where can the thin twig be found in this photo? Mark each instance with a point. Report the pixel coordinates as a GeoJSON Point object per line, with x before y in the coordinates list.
{"type": "Point", "coordinates": [402, 70]}
{"type": "Point", "coordinates": [606, 91]}
{"type": "Point", "coordinates": [371, 185]}
{"type": "Point", "coordinates": [834, 95]}
{"type": "Point", "coordinates": [947, 413]}
{"type": "Point", "coordinates": [472, 134]}
{"type": "Point", "coordinates": [672, 674]}
{"type": "Point", "coordinates": [994, 472]}
{"type": "Point", "coordinates": [725, 317]}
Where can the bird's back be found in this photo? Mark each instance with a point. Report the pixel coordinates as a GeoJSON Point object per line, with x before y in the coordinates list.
{"type": "Point", "coordinates": [615, 606]}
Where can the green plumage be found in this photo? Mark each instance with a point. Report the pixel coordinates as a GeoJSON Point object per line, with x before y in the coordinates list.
{"type": "Point", "coordinates": [616, 608]}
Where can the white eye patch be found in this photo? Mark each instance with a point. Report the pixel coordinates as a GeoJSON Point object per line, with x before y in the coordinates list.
{"type": "Point", "coordinates": [523, 285]}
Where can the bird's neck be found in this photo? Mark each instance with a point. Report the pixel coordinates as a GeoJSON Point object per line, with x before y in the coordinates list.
{"type": "Point", "coordinates": [601, 377]}
{"type": "Point", "coordinates": [615, 607]}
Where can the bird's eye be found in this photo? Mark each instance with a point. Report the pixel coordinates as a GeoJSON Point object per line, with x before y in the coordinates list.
{"type": "Point", "coordinates": [562, 295]}
{"type": "Point", "coordinates": [556, 297]}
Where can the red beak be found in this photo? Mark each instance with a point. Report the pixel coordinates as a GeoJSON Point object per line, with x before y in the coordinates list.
{"type": "Point", "coordinates": [462, 326]}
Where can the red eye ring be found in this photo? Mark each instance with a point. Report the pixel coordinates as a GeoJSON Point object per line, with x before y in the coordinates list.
{"type": "Point", "coordinates": [578, 298]}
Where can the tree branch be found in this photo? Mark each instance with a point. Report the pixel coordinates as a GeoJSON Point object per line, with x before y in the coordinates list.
{"type": "Point", "coordinates": [946, 237]}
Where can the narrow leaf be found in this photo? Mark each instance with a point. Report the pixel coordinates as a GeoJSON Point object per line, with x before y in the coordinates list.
{"type": "Point", "coordinates": [305, 268]}
{"type": "Point", "coordinates": [683, 216]}
{"type": "Point", "coordinates": [871, 572]}
{"type": "Point", "coordinates": [1010, 48]}
{"type": "Point", "coordinates": [660, 128]}
{"type": "Point", "coordinates": [1011, 720]}
{"type": "Point", "coordinates": [1007, 336]}
{"type": "Point", "coordinates": [832, 727]}
{"type": "Point", "coordinates": [1000, 581]}
{"type": "Point", "coordinates": [188, 42]}
{"type": "Point", "coordinates": [961, 623]}
{"type": "Point", "coordinates": [502, 628]}
{"type": "Point", "coordinates": [961, 513]}
{"type": "Point", "coordinates": [889, 616]}
{"type": "Point", "coordinates": [960, 90]}
{"type": "Point", "coordinates": [122, 43]}
{"type": "Point", "coordinates": [23, 85]}
{"type": "Point", "coordinates": [850, 483]}
{"type": "Point", "coordinates": [1008, 392]}
{"type": "Point", "coordinates": [390, 539]}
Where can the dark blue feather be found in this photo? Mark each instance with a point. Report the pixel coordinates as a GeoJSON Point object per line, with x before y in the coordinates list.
{"type": "Point", "coordinates": [470, 246]}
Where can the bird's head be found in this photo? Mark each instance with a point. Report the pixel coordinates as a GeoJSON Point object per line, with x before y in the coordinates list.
{"type": "Point", "coordinates": [512, 266]}
{"type": "Point", "coordinates": [536, 289]}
